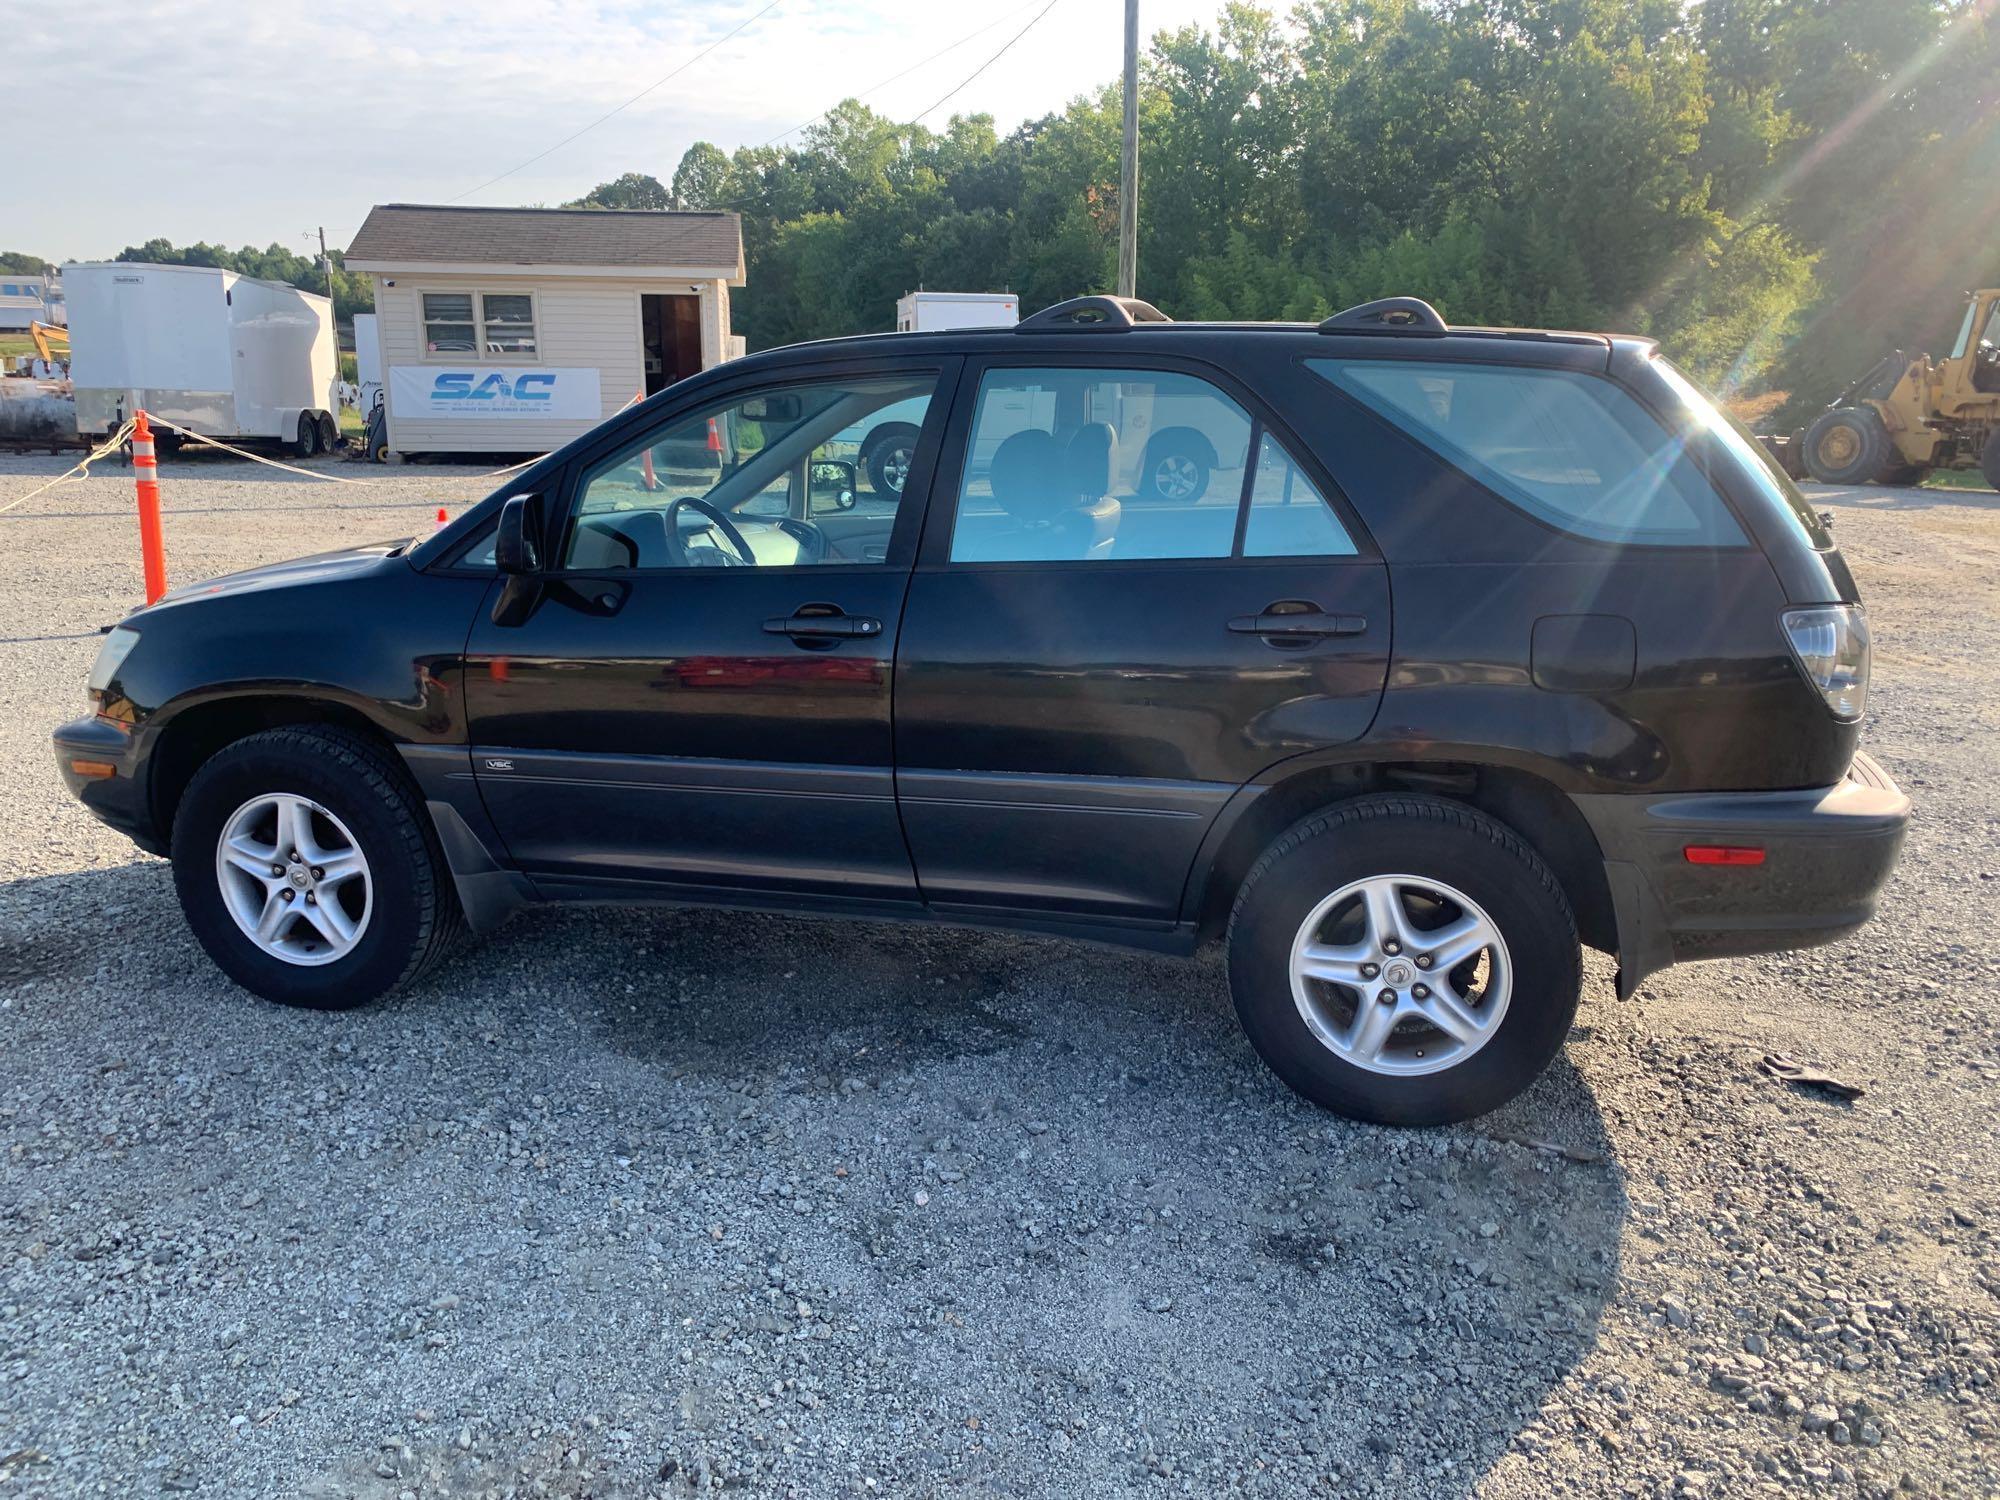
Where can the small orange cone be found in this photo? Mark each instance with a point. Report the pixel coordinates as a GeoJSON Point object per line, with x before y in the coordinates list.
{"type": "Point", "coordinates": [439, 524]}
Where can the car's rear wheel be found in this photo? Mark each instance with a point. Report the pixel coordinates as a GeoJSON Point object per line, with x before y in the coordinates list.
{"type": "Point", "coordinates": [1404, 960]}
{"type": "Point", "coordinates": [308, 869]}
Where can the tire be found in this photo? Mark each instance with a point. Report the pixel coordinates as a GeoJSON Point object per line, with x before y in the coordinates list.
{"type": "Point", "coordinates": [1989, 460]}
{"type": "Point", "coordinates": [407, 914]}
{"type": "Point", "coordinates": [329, 433]}
{"type": "Point", "coordinates": [1517, 995]}
{"type": "Point", "coordinates": [306, 444]}
{"type": "Point", "coordinates": [1176, 467]}
{"type": "Point", "coordinates": [1849, 445]}
{"type": "Point", "coordinates": [886, 454]}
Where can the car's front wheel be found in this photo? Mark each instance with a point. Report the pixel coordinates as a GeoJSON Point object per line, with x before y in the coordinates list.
{"type": "Point", "coordinates": [308, 869]}
{"type": "Point", "coordinates": [1404, 960]}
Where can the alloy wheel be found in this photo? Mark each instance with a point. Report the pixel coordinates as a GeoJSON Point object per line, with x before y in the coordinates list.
{"type": "Point", "coordinates": [294, 879]}
{"type": "Point", "coordinates": [1401, 975]}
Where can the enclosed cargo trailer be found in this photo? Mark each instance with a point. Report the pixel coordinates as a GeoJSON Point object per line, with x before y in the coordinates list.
{"type": "Point", "coordinates": [221, 354]}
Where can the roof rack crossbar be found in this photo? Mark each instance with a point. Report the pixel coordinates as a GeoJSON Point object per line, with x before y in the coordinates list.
{"type": "Point", "coordinates": [1405, 315]}
{"type": "Point", "coordinates": [1092, 315]}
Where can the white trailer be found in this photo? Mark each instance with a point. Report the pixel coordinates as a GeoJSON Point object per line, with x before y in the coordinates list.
{"type": "Point", "coordinates": [367, 361]}
{"type": "Point", "coordinates": [224, 355]}
{"type": "Point", "coordinates": [922, 312]}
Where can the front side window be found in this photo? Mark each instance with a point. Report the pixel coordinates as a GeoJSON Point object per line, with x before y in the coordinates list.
{"type": "Point", "coordinates": [772, 479]}
{"type": "Point", "coordinates": [1572, 450]}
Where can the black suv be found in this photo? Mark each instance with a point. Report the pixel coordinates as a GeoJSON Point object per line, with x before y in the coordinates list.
{"type": "Point", "coordinates": [1457, 646]}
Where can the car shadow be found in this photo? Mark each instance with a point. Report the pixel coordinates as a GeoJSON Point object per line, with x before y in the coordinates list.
{"type": "Point", "coordinates": [1046, 1185]}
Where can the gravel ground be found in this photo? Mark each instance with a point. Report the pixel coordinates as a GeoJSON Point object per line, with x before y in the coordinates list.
{"type": "Point", "coordinates": [628, 1203]}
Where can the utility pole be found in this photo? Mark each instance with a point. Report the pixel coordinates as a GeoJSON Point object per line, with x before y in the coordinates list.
{"type": "Point", "coordinates": [325, 263]}
{"type": "Point", "coordinates": [1128, 177]}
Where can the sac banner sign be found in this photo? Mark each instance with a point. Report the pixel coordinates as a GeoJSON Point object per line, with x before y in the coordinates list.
{"type": "Point", "coordinates": [427, 392]}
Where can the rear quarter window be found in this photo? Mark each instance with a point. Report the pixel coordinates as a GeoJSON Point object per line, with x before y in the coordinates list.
{"type": "Point", "coordinates": [1573, 450]}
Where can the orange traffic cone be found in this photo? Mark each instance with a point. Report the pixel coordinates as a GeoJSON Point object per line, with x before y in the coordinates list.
{"type": "Point", "coordinates": [145, 468]}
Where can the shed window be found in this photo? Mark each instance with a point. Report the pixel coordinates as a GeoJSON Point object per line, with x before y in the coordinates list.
{"type": "Point", "coordinates": [510, 323]}
{"type": "Point", "coordinates": [479, 322]}
{"type": "Point", "coordinates": [448, 323]}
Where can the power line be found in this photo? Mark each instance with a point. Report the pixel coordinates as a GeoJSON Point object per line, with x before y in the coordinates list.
{"type": "Point", "coordinates": [989, 61]}
{"type": "Point", "coordinates": [898, 78]}
{"type": "Point", "coordinates": [656, 83]}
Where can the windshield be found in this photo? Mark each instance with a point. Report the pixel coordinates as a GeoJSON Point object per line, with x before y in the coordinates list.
{"type": "Point", "coordinates": [1964, 340]}
{"type": "Point", "coordinates": [1752, 457]}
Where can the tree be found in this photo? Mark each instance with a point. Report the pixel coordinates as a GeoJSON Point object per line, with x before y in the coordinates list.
{"type": "Point", "coordinates": [633, 190]}
{"type": "Point", "coordinates": [19, 263]}
{"type": "Point", "coordinates": [702, 178]}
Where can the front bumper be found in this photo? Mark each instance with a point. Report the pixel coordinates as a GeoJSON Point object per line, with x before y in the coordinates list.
{"type": "Point", "coordinates": [119, 799]}
{"type": "Point", "coordinates": [1828, 852]}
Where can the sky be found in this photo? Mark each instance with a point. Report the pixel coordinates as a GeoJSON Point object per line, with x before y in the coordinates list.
{"type": "Point", "coordinates": [247, 123]}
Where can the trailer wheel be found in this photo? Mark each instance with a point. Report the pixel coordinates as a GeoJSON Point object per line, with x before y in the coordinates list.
{"type": "Point", "coordinates": [1989, 461]}
{"type": "Point", "coordinates": [1849, 445]}
{"type": "Point", "coordinates": [307, 443]}
{"type": "Point", "coordinates": [329, 433]}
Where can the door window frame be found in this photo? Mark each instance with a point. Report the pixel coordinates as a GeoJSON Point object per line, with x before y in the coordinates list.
{"type": "Point", "coordinates": [623, 432]}
{"type": "Point", "coordinates": [935, 551]}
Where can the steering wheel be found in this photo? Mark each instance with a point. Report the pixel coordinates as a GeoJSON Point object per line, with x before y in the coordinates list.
{"type": "Point", "coordinates": [721, 522]}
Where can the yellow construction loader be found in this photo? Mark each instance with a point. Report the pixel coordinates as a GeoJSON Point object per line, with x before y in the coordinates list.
{"type": "Point", "coordinates": [1907, 416]}
{"type": "Point", "coordinates": [45, 336]}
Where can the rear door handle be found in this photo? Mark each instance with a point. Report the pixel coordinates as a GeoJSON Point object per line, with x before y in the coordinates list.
{"type": "Point", "coordinates": [822, 626]}
{"type": "Point", "coordinates": [1299, 625]}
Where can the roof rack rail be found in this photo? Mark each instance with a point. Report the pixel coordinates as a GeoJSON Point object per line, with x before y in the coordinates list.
{"type": "Point", "coordinates": [1092, 315]}
{"type": "Point", "coordinates": [1404, 315]}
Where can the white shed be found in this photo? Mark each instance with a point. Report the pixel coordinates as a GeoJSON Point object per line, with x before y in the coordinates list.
{"type": "Point", "coordinates": [517, 329]}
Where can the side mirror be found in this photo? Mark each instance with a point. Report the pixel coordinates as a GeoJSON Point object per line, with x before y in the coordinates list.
{"type": "Point", "coordinates": [517, 541]}
{"type": "Point", "coordinates": [832, 485]}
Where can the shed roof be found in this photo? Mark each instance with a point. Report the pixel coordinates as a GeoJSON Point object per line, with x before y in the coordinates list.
{"type": "Point", "coordinates": [407, 234]}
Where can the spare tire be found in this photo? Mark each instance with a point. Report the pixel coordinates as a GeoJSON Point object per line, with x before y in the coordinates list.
{"type": "Point", "coordinates": [1849, 445]}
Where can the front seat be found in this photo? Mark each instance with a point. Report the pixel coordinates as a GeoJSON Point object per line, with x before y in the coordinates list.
{"type": "Point", "coordinates": [1090, 464]}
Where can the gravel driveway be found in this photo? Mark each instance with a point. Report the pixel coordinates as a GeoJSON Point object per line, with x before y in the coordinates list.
{"type": "Point", "coordinates": [627, 1203]}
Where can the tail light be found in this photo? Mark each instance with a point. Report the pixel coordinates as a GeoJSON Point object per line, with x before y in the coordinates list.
{"type": "Point", "coordinates": [1831, 644]}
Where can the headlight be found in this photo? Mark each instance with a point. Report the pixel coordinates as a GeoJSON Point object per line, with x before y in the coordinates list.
{"type": "Point", "coordinates": [1831, 643]}
{"type": "Point", "coordinates": [111, 656]}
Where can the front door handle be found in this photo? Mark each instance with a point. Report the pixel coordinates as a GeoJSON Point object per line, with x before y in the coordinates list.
{"type": "Point", "coordinates": [1298, 624]}
{"type": "Point", "coordinates": [827, 624]}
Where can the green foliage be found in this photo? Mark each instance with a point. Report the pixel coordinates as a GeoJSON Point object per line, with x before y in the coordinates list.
{"type": "Point", "coordinates": [352, 291]}
{"type": "Point", "coordinates": [18, 263]}
{"type": "Point", "coordinates": [633, 190]}
{"type": "Point", "coordinates": [1777, 189]}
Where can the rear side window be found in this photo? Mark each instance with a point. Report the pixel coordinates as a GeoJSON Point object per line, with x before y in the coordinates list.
{"type": "Point", "coordinates": [1076, 464]}
{"type": "Point", "coordinates": [1575, 451]}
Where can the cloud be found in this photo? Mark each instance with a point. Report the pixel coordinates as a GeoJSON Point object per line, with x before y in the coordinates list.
{"type": "Point", "coordinates": [199, 120]}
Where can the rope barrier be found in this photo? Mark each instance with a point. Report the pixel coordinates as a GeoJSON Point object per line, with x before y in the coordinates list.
{"type": "Point", "coordinates": [272, 463]}
{"type": "Point", "coordinates": [79, 470]}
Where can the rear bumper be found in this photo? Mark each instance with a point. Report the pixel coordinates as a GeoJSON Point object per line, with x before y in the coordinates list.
{"type": "Point", "coordinates": [118, 799]}
{"type": "Point", "coordinates": [1828, 851]}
